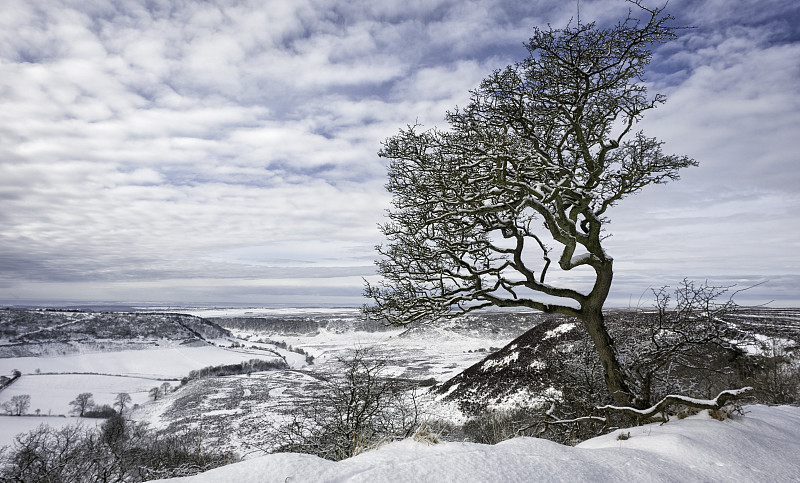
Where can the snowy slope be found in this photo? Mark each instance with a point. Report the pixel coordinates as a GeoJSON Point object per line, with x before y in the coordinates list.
{"type": "Point", "coordinates": [762, 446]}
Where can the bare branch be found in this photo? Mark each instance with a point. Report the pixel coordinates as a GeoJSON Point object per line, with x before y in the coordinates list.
{"type": "Point", "coordinates": [718, 402]}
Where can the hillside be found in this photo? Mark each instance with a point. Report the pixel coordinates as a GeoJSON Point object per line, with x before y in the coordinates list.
{"type": "Point", "coordinates": [62, 353]}
{"type": "Point", "coordinates": [488, 324]}
{"type": "Point", "coordinates": [531, 368]}
{"type": "Point", "coordinates": [760, 446]}
{"type": "Point", "coordinates": [26, 333]}
{"type": "Point", "coordinates": [522, 371]}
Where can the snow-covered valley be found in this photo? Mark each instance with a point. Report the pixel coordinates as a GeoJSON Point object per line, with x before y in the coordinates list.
{"type": "Point", "coordinates": [233, 410]}
{"type": "Point", "coordinates": [239, 412]}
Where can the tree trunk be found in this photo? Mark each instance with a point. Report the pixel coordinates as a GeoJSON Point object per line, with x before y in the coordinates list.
{"type": "Point", "coordinates": [612, 370]}
{"type": "Point", "coordinates": [593, 320]}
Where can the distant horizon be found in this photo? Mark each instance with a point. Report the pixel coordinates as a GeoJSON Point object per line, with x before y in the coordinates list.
{"type": "Point", "coordinates": [141, 306]}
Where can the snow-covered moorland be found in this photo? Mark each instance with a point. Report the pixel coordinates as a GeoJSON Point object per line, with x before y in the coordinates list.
{"type": "Point", "coordinates": [242, 413]}
{"type": "Point", "coordinates": [762, 445]}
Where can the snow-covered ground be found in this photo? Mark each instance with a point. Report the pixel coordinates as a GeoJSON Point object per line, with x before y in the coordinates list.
{"type": "Point", "coordinates": [247, 403]}
{"type": "Point", "coordinates": [53, 381]}
{"type": "Point", "coordinates": [761, 446]}
{"type": "Point", "coordinates": [242, 409]}
{"type": "Point", "coordinates": [439, 354]}
{"type": "Point", "coordinates": [173, 362]}
{"type": "Point", "coordinates": [52, 393]}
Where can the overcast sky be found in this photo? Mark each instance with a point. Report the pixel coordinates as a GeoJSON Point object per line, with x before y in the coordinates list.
{"type": "Point", "coordinates": [225, 151]}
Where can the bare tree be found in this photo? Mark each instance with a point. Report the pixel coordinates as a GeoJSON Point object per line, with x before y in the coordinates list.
{"type": "Point", "coordinates": [122, 401]}
{"type": "Point", "coordinates": [81, 403]}
{"type": "Point", "coordinates": [357, 407]}
{"type": "Point", "coordinates": [18, 405]}
{"type": "Point", "coordinates": [44, 454]}
{"type": "Point", "coordinates": [117, 451]}
{"type": "Point", "coordinates": [688, 348]}
{"type": "Point", "coordinates": [525, 176]}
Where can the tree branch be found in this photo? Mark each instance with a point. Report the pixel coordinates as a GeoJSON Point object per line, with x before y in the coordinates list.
{"type": "Point", "coordinates": [660, 408]}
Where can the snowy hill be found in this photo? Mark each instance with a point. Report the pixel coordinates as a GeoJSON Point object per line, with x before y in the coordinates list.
{"type": "Point", "coordinates": [489, 324]}
{"type": "Point", "coordinates": [761, 446]}
{"type": "Point", "coordinates": [44, 332]}
{"type": "Point", "coordinates": [532, 366]}
{"type": "Point", "coordinates": [521, 371]}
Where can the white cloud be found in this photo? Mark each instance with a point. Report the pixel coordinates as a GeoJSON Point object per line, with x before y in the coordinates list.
{"type": "Point", "coordinates": [145, 144]}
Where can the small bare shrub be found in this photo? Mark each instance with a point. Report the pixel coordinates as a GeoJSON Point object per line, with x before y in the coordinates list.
{"type": "Point", "coordinates": [426, 434]}
{"type": "Point", "coordinates": [357, 408]}
{"type": "Point", "coordinates": [492, 427]}
{"type": "Point", "coordinates": [686, 411]}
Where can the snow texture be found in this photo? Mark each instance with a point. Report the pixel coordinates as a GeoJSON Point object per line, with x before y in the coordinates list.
{"type": "Point", "coordinates": [763, 445]}
{"type": "Point", "coordinates": [561, 329]}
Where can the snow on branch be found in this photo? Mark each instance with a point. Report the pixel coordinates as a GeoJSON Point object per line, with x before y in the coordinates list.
{"type": "Point", "coordinates": [716, 403]}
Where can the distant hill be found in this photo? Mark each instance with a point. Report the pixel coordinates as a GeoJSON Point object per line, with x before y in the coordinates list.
{"type": "Point", "coordinates": [299, 324]}
{"type": "Point", "coordinates": [26, 332]}
{"type": "Point", "coordinates": [487, 324]}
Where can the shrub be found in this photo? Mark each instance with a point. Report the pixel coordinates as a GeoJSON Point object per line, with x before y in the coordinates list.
{"type": "Point", "coordinates": [104, 412]}
{"type": "Point", "coordinates": [253, 365]}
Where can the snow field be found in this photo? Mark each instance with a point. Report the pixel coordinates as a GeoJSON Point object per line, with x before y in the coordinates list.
{"type": "Point", "coordinates": [170, 363]}
{"type": "Point", "coordinates": [443, 354]}
{"type": "Point", "coordinates": [52, 393]}
{"type": "Point", "coordinates": [62, 378]}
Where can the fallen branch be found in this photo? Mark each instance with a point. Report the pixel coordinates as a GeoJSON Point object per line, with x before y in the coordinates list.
{"type": "Point", "coordinates": [718, 402]}
{"type": "Point", "coordinates": [582, 419]}
{"type": "Point", "coordinates": [543, 424]}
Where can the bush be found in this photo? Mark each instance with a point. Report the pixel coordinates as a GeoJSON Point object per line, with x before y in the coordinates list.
{"type": "Point", "coordinates": [103, 412]}
{"type": "Point", "coordinates": [775, 375]}
{"type": "Point", "coordinates": [253, 365]}
{"type": "Point", "coordinates": [492, 427]}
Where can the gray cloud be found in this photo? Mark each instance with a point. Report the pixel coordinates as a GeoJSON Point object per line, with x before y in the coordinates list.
{"type": "Point", "coordinates": [226, 150]}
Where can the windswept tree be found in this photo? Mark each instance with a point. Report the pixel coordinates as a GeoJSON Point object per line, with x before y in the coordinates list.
{"type": "Point", "coordinates": [525, 176]}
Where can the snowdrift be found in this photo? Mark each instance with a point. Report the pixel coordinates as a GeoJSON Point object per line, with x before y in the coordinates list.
{"type": "Point", "coordinates": [763, 445]}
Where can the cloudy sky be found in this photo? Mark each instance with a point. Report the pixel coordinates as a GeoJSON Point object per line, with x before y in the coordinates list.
{"type": "Point", "coordinates": [224, 151]}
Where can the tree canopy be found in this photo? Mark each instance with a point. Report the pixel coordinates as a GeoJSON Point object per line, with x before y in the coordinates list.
{"type": "Point", "coordinates": [524, 177]}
